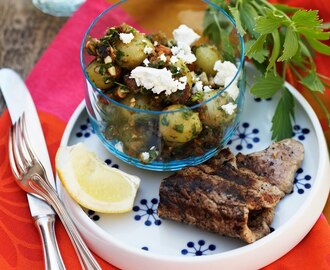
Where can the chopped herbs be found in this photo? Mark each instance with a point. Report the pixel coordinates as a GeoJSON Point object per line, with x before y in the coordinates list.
{"type": "Point", "coordinates": [179, 128]}
{"type": "Point", "coordinates": [164, 120]}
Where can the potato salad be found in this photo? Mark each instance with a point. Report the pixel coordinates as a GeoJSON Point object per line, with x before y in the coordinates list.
{"type": "Point", "coordinates": [161, 97]}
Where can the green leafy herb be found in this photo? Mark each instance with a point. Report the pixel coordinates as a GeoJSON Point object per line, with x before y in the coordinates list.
{"type": "Point", "coordinates": [277, 38]}
{"type": "Point", "coordinates": [282, 127]}
{"type": "Point", "coordinates": [267, 86]}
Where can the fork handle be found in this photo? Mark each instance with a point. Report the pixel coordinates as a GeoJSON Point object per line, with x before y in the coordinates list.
{"type": "Point", "coordinates": [45, 190]}
{"type": "Point", "coordinates": [53, 259]}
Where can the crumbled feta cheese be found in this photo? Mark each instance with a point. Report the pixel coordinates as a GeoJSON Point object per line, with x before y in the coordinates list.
{"type": "Point", "coordinates": [145, 156]}
{"type": "Point", "coordinates": [207, 88]}
{"type": "Point", "coordinates": [126, 38]}
{"type": "Point", "coordinates": [146, 62]}
{"type": "Point", "coordinates": [119, 146]}
{"type": "Point", "coordinates": [147, 50]}
{"type": "Point", "coordinates": [229, 108]}
{"type": "Point", "coordinates": [185, 34]}
{"type": "Point", "coordinates": [198, 87]}
{"type": "Point", "coordinates": [173, 59]}
{"type": "Point", "coordinates": [162, 57]}
{"type": "Point", "coordinates": [156, 80]}
{"type": "Point", "coordinates": [107, 60]}
{"type": "Point", "coordinates": [182, 83]}
{"type": "Point", "coordinates": [232, 90]}
{"type": "Point", "coordinates": [183, 51]}
{"type": "Point", "coordinates": [155, 43]}
{"type": "Point", "coordinates": [224, 70]}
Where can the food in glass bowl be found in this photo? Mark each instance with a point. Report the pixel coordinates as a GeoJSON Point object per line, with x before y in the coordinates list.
{"type": "Point", "coordinates": [161, 102]}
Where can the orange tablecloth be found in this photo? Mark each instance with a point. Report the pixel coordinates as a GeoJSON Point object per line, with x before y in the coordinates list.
{"type": "Point", "coordinates": [20, 246]}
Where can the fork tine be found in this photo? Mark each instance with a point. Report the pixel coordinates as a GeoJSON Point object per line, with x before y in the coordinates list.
{"type": "Point", "coordinates": [11, 150]}
{"type": "Point", "coordinates": [17, 147]}
{"type": "Point", "coordinates": [26, 151]}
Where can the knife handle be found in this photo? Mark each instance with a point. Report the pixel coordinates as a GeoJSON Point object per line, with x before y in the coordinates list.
{"type": "Point", "coordinates": [53, 259]}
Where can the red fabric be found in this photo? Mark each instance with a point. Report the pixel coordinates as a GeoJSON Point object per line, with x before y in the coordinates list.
{"type": "Point", "coordinates": [56, 85]}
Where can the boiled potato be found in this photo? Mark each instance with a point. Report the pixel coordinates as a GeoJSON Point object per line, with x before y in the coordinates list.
{"type": "Point", "coordinates": [212, 114]}
{"type": "Point", "coordinates": [179, 127]}
{"type": "Point", "coordinates": [132, 54]}
{"type": "Point", "coordinates": [137, 101]}
{"type": "Point", "coordinates": [101, 81]}
{"type": "Point", "coordinates": [206, 56]}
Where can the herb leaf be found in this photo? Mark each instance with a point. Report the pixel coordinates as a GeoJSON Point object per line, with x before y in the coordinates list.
{"type": "Point", "coordinates": [313, 82]}
{"type": "Point", "coordinates": [269, 22]}
{"type": "Point", "coordinates": [290, 44]}
{"type": "Point", "coordinates": [236, 15]}
{"type": "Point", "coordinates": [277, 37]}
{"type": "Point", "coordinates": [319, 46]}
{"type": "Point", "coordinates": [281, 121]}
{"type": "Point", "coordinates": [267, 86]}
{"type": "Point", "coordinates": [276, 50]}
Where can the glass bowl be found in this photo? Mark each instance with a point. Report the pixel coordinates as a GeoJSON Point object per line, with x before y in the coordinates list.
{"type": "Point", "coordinates": [146, 124]}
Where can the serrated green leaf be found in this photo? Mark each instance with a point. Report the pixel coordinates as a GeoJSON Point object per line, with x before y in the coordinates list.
{"type": "Point", "coordinates": [248, 15]}
{"type": "Point", "coordinates": [259, 55]}
{"type": "Point", "coordinates": [269, 22]}
{"type": "Point", "coordinates": [267, 86]}
{"type": "Point", "coordinates": [313, 33]}
{"type": "Point", "coordinates": [281, 121]}
{"type": "Point", "coordinates": [319, 46]}
{"type": "Point", "coordinates": [257, 45]}
{"type": "Point", "coordinates": [276, 49]}
{"type": "Point", "coordinates": [313, 82]}
{"type": "Point", "coordinates": [236, 15]}
{"type": "Point", "coordinates": [290, 44]}
{"type": "Point", "coordinates": [325, 26]}
{"type": "Point", "coordinates": [286, 8]}
{"type": "Point", "coordinates": [308, 18]}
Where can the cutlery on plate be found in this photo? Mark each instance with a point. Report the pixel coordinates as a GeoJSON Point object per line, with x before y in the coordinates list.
{"type": "Point", "coordinates": [18, 100]}
{"type": "Point", "coordinates": [31, 177]}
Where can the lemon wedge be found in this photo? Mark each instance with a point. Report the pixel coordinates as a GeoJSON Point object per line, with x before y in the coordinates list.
{"type": "Point", "coordinates": [93, 184]}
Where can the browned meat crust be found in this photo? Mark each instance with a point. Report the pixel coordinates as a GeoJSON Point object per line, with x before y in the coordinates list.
{"type": "Point", "coordinates": [219, 197]}
{"type": "Point", "coordinates": [278, 162]}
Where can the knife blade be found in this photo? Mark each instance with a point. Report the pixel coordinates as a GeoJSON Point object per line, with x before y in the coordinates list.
{"type": "Point", "coordinates": [19, 100]}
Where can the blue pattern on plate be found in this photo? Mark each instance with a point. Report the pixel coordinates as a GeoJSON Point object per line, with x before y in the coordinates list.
{"type": "Point", "coordinates": [92, 215]}
{"type": "Point", "coordinates": [108, 161]}
{"type": "Point", "coordinates": [198, 249]}
{"type": "Point", "coordinates": [302, 182]}
{"type": "Point", "coordinates": [147, 212]}
{"type": "Point", "coordinates": [85, 130]}
{"type": "Point", "coordinates": [145, 248]}
{"type": "Point", "coordinates": [245, 136]}
{"type": "Point", "coordinates": [261, 99]}
{"type": "Point", "coordinates": [300, 132]}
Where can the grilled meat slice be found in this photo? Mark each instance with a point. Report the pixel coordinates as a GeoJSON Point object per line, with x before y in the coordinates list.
{"type": "Point", "coordinates": [278, 162]}
{"type": "Point", "coordinates": [232, 196]}
{"type": "Point", "coordinates": [220, 205]}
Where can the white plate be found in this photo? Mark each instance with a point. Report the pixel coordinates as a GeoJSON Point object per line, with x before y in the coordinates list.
{"type": "Point", "coordinates": [140, 240]}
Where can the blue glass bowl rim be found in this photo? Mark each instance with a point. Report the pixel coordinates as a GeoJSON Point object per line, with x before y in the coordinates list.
{"type": "Point", "coordinates": [82, 47]}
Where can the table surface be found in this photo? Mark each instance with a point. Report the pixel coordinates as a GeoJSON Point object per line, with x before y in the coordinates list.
{"type": "Point", "coordinates": [25, 33]}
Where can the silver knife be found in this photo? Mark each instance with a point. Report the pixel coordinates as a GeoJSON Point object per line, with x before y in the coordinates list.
{"type": "Point", "coordinates": [19, 100]}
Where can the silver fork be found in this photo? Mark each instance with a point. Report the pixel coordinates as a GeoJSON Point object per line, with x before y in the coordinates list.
{"type": "Point", "coordinates": [31, 177]}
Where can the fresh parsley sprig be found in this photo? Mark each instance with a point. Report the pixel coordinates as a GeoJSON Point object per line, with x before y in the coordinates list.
{"type": "Point", "coordinates": [278, 38]}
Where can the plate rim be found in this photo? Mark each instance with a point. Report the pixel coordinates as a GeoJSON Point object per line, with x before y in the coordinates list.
{"type": "Point", "coordinates": [224, 259]}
